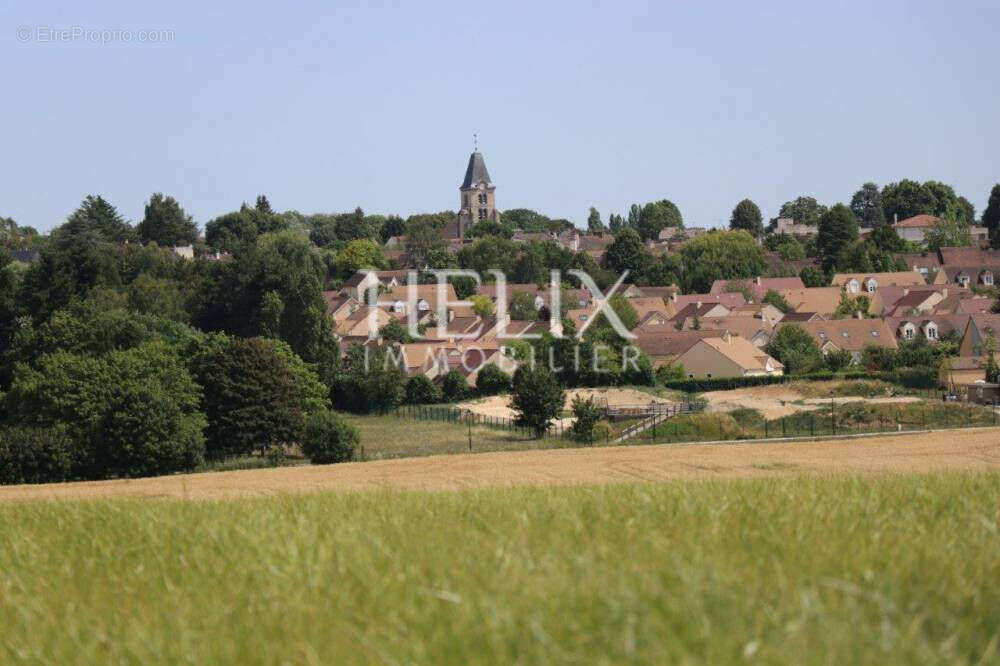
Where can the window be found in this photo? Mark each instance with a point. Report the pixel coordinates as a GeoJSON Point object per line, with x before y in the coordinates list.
{"type": "Point", "coordinates": [482, 199]}
{"type": "Point", "coordinates": [932, 332]}
{"type": "Point", "coordinates": [852, 286]}
{"type": "Point", "coordinates": [871, 285]}
{"type": "Point", "coordinates": [908, 333]}
{"type": "Point", "coordinates": [988, 278]}
{"type": "Point", "coordinates": [482, 213]}
{"type": "Point", "coordinates": [422, 305]}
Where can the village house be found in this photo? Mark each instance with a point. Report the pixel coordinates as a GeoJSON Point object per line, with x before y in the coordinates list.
{"type": "Point", "coordinates": [869, 283]}
{"type": "Point", "coordinates": [850, 335]}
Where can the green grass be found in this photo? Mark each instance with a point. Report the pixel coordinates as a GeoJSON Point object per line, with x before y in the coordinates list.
{"type": "Point", "coordinates": [806, 570]}
{"type": "Point", "coordinates": [392, 436]}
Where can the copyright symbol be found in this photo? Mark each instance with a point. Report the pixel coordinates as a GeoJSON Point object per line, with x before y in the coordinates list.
{"type": "Point", "coordinates": [24, 34]}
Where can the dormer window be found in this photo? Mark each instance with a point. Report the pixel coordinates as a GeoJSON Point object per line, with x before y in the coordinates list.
{"type": "Point", "coordinates": [988, 278]}
{"type": "Point", "coordinates": [871, 285]}
{"type": "Point", "coordinates": [398, 306]}
{"type": "Point", "coordinates": [908, 332]}
{"type": "Point", "coordinates": [852, 286]}
{"type": "Point", "coordinates": [963, 279]}
{"type": "Point", "coordinates": [423, 306]}
{"type": "Point", "coordinates": [932, 332]}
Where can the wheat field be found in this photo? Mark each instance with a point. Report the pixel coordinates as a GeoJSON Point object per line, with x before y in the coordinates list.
{"type": "Point", "coordinates": [882, 568]}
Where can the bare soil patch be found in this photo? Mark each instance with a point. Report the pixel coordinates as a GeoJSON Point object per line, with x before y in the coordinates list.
{"type": "Point", "coordinates": [961, 450]}
{"type": "Point", "coordinates": [497, 405]}
{"type": "Point", "coordinates": [780, 400]}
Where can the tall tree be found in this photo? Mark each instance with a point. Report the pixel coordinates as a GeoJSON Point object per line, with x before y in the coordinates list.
{"type": "Point", "coordinates": [536, 398]}
{"type": "Point", "coordinates": [627, 252]}
{"type": "Point", "coordinates": [634, 213]}
{"type": "Point", "coordinates": [263, 205]}
{"type": "Point", "coordinates": [747, 216]}
{"type": "Point", "coordinates": [658, 215]}
{"type": "Point", "coordinates": [594, 224]}
{"type": "Point", "coordinates": [838, 228]}
{"type": "Point", "coordinates": [166, 224]}
{"type": "Point", "coordinates": [991, 216]}
{"type": "Point", "coordinates": [724, 255]}
{"type": "Point", "coordinates": [97, 219]}
{"type": "Point", "coordinates": [866, 204]}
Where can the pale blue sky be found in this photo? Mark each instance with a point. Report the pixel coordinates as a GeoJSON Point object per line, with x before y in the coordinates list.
{"type": "Point", "coordinates": [326, 106]}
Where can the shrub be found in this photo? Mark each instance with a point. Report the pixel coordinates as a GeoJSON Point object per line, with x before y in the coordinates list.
{"type": "Point", "coordinates": [492, 380]}
{"type": "Point", "coordinates": [35, 455]}
{"type": "Point", "coordinates": [329, 439]}
{"type": "Point", "coordinates": [454, 386]}
{"type": "Point", "coordinates": [587, 415]}
{"type": "Point", "coordinates": [670, 373]}
{"type": "Point", "coordinates": [421, 391]}
{"type": "Point", "coordinates": [838, 359]}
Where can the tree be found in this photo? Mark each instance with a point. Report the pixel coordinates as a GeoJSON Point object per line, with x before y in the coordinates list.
{"type": "Point", "coordinates": [615, 223]}
{"type": "Point", "coordinates": [747, 216]}
{"type": "Point", "coordinates": [725, 255]}
{"type": "Point", "coordinates": [536, 398]}
{"type": "Point", "coordinates": [949, 231]}
{"type": "Point", "coordinates": [908, 198]}
{"type": "Point", "coordinates": [991, 216]}
{"type": "Point", "coordinates": [866, 204]}
{"type": "Point", "coordinates": [421, 391]}
{"type": "Point", "coordinates": [627, 252]}
{"type": "Point", "coordinates": [166, 224]}
{"type": "Point", "coordinates": [594, 224]}
{"type": "Point", "coordinates": [795, 349]}
{"type": "Point", "coordinates": [491, 380]}
{"type": "Point", "coordinates": [95, 219]}
{"type": "Point", "coordinates": [804, 210]}
{"type": "Point", "coordinates": [328, 438]}
{"type": "Point", "coordinates": [358, 254]}
{"type": "Point", "coordinates": [395, 331]}
{"type": "Point", "coordinates": [586, 414]}
{"type": "Point", "coordinates": [132, 412]}
{"type": "Point", "coordinates": [777, 300]}
{"type": "Point", "coordinates": [263, 205]}
{"type": "Point", "coordinates": [237, 230]}
{"type": "Point", "coordinates": [838, 359]}
{"type": "Point", "coordinates": [483, 306]}
{"type": "Point", "coordinates": [252, 397]}
{"type": "Point", "coordinates": [813, 277]}
{"type": "Point", "coordinates": [837, 229]}
{"type": "Point", "coordinates": [791, 249]}
{"type": "Point", "coordinates": [454, 387]}
{"type": "Point", "coordinates": [35, 455]}
{"type": "Point", "coordinates": [656, 216]}
{"type": "Point", "coordinates": [521, 306]}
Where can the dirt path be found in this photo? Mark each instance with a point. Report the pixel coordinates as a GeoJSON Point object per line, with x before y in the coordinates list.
{"type": "Point", "coordinates": [968, 450]}
{"type": "Point", "coordinates": [497, 405]}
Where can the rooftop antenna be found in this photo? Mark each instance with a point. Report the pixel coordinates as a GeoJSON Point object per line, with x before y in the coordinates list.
{"type": "Point", "coordinates": [475, 143]}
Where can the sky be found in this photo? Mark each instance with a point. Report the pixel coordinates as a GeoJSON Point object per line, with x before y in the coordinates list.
{"type": "Point", "coordinates": [327, 106]}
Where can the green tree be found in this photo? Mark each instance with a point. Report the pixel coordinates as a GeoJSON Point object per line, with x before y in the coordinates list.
{"type": "Point", "coordinates": [813, 277]}
{"type": "Point", "coordinates": [746, 215]}
{"type": "Point", "coordinates": [777, 300]}
{"type": "Point", "coordinates": [949, 231]}
{"type": "Point", "coordinates": [421, 391]}
{"type": "Point", "coordinates": [594, 224]}
{"type": "Point", "coordinates": [359, 254]}
{"type": "Point", "coordinates": [627, 252]}
{"type": "Point", "coordinates": [483, 306]}
{"type": "Point", "coordinates": [536, 398]}
{"type": "Point", "coordinates": [131, 412]}
{"type": "Point", "coordinates": [454, 386]}
{"type": "Point", "coordinates": [991, 216]}
{"type": "Point", "coordinates": [866, 204]}
{"type": "Point", "coordinates": [166, 224]}
{"type": "Point", "coordinates": [491, 380]}
{"type": "Point", "coordinates": [657, 215]}
{"type": "Point", "coordinates": [95, 219]}
{"type": "Point", "coordinates": [725, 255]}
{"type": "Point", "coordinates": [252, 396]}
{"type": "Point", "coordinates": [795, 349]}
{"type": "Point", "coordinates": [586, 414]}
{"type": "Point", "coordinates": [837, 230]}
{"type": "Point", "coordinates": [328, 438]}
{"type": "Point", "coordinates": [521, 306]}
{"type": "Point", "coordinates": [238, 230]}
{"type": "Point", "coordinates": [791, 250]}
{"type": "Point", "coordinates": [804, 210]}
{"type": "Point", "coordinates": [395, 331]}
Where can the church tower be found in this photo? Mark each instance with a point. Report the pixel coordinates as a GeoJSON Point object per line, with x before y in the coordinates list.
{"type": "Point", "coordinates": [477, 195]}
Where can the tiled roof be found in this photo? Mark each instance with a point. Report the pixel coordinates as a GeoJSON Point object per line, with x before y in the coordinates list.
{"type": "Point", "coordinates": [918, 221]}
{"type": "Point", "coordinates": [849, 334]}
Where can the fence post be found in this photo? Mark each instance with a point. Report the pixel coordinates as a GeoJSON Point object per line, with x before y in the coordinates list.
{"type": "Point", "coordinates": [766, 433]}
{"type": "Point", "coordinates": [833, 417]}
{"type": "Point", "coordinates": [782, 426]}
{"type": "Point", "coordinates": [812, 425]}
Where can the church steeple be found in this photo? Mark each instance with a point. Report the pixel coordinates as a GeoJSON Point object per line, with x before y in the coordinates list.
{"type": "Point", "coordinates": [477, 195]}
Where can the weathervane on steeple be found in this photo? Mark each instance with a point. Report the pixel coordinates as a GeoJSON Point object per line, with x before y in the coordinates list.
{"type": "Point", "coordinates": [475, 143]}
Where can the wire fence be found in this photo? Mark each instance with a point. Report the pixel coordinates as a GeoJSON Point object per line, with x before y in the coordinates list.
{"type": "Point", "coordinates": [687, 422]}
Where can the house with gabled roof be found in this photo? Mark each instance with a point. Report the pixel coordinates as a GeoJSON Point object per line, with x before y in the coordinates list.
{"type": "Point", "coordinates": [851, 335]}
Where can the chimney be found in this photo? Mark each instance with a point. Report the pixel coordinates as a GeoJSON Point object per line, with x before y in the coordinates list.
{"type": "Point", "coordinates": [756, 280]}
{"type": "Point", "coordinates": [906, 291]}
{"type": "Point", "coordinates": [895, 219]}
{"type": "Point", "coordinates": [859, 315]}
